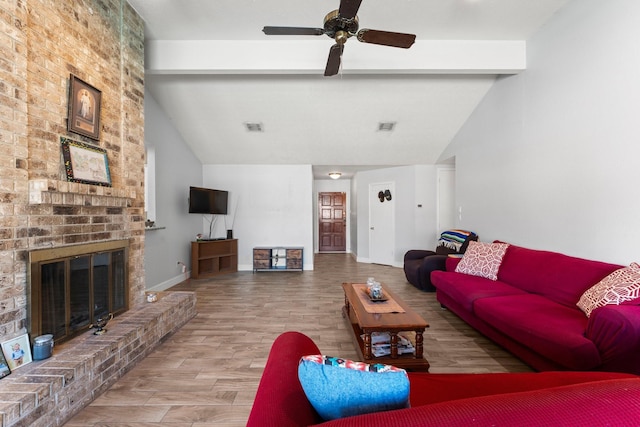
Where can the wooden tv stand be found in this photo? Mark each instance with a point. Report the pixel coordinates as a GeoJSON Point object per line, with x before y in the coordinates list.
{"type": "Point", "coordinates": [213, 257]}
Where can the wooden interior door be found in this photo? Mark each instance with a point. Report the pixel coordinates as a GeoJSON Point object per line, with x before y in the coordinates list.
{"type": "Point", "coordinates": [332, 217]}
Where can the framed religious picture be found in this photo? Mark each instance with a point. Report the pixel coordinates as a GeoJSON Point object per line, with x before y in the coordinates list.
{"type": "Point", "coordinates": [17, 351]}
{"type": "Point", "coordinates": [85, 163]}
{"type": "Point", "coordinates": [84, 108]}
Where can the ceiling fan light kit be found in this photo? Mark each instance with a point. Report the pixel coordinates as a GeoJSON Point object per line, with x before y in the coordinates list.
{"type": "Point", "coordinates": [340, 25]}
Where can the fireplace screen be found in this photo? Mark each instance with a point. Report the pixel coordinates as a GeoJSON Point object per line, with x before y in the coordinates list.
{"type": "Point", "coordinates": [70, 288]}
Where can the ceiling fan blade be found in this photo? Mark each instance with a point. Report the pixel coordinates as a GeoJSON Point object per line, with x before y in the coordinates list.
{"type": "Point", "coordinates": [349, 8]}
{"type": "Point", "coordinates": [333, 62]}
{"type": "Point", "coordinates": [386, 38]}
{"type": "Point", "coordinates": [292, 31]}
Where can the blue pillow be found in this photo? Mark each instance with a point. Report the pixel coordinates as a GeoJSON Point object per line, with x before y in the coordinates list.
{"type": "Point", "coordinates": [339, 388]}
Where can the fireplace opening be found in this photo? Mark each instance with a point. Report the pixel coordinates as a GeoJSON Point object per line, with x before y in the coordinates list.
{"type": "Point", "coordinates": [73, 286]}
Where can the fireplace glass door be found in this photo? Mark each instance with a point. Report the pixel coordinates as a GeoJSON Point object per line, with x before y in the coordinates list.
{"type": "Point", "coordinates": [53, 310]}
{"type": "Point", "coordinates": [75, 291]}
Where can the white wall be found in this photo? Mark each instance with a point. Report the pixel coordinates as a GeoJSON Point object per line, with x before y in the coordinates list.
{"type": "Point", "coordinates": [176, 168]}
{"type": "Point", "coordinates": [274, 207]}
{"type": "Point", "coordinates": [425, 229]}
{"type": "Point", "coordinates": [328, 186]}
{"type": "Point", "coordinates": [414, 228]}
{"type": "Point", "coordinates": [353, 216]}
{"type": "Point", "coordinates": [551, 157]}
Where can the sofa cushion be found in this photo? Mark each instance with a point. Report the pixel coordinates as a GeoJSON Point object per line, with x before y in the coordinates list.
{"type": "Point", "coordinates": [465, 289]}
{"type": "Point", "coordinates": [598, 403]}
{"type": "Point", "coordinates": [559, 277]}
{"type": "Point", "coordinates": [621, 286]}
{"type": "Point", "coordinates": [339, 387]}
{"type": "Point", "coordinates": [452, 262]}
{"type": "Point", "coordinates": [482, 259]}
{"type": "Point", "coordinates": [549, 329]}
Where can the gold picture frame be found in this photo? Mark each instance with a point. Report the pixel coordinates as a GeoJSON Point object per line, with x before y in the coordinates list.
{"type": "Point", "coordinates": [84, 108]}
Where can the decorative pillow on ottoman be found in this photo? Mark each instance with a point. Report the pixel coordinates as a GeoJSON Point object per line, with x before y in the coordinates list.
{"type": "Point", "coordinates": [482, 259]}
{"type": "Point", "coordinates": [339, 388]}
{"type": "Point", "coordinates": [621, 286]}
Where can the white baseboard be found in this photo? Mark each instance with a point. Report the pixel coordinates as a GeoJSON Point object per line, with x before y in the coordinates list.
{"type": "Point", "coordinates": [171, 282]}
{"type": "Point", "coordinates": [368, 261]}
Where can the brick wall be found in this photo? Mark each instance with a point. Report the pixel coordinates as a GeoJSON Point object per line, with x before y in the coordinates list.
{"type": "Point", "coordinates": [42, 42]}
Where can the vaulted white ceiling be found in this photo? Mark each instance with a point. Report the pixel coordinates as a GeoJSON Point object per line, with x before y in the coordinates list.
{"type": "Point", "coordinates": [212, 70]}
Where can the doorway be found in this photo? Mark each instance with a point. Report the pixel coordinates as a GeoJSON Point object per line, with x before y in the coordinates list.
{"type": "Point", "coordinates": [332, 218]}
{"type": "Point", "coordinates": [381, 223]}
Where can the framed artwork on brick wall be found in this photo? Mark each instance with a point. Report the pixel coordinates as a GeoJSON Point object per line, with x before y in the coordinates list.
{"type": "Point", "coordinates": [85, 163]}
{"type": "Point", "coordinates": [84, 108]}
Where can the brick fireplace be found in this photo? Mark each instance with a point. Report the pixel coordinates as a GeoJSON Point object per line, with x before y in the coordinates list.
{"type": "Point", "coordinates": [43, 43]}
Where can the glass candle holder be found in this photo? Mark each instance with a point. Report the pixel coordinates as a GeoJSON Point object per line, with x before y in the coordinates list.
{"type": "Point", "coordinates": [370, 282]}
{"type": "Point", "coordinates": [376, 291]}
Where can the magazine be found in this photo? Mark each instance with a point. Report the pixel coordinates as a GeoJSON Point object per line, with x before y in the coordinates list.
{"type": "Point", "coordinates": [381, 344]}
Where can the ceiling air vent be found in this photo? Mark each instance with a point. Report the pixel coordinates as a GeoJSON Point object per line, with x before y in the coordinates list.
{"type": "Point", "coordinates": [386, 126]}
{"type": "Point", "coordinates": [254, 127]}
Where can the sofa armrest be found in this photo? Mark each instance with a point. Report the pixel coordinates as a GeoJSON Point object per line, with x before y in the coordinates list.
{"type": "Point", "coordinates": [417, 254]}
{"type": "Point", "coordinates": [434, 262]}
{"type": "Point", "coordinates": [280, 400]}
{"type": "Point", "coordinates": [615, 330]}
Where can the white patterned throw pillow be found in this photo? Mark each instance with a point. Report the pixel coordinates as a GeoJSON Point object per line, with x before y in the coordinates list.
{"type": "Point", "coordinates": [618, 287]}
{"type": "Point", "coordinates": [482, 259]}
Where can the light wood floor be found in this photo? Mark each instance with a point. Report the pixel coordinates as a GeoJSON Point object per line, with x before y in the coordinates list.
{"type": "Point", "coordinates": [207, 373]}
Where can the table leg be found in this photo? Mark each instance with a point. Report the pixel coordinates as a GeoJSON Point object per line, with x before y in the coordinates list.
{"type": "Point", "coordinates": [367, 345]}
{"type": "Point", "coordinates": [419, 340]}
{"type": "Point", "coordinates": [346, 306]}
{"type": "Point", "coordinates": [394, 344]}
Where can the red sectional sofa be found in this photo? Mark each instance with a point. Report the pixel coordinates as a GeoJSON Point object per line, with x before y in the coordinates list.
{"type": "Point", "coordinates": [523, 399]}
{"type": "Point", "coordinates": [531, 311]}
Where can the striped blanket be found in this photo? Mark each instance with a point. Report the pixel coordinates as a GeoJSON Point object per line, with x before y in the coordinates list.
{"type": "Point", "coordinates": [454, 239]}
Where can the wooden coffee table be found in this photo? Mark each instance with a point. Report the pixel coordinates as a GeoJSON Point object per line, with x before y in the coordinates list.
{"type": "Point", "coordinates": [363, 323]}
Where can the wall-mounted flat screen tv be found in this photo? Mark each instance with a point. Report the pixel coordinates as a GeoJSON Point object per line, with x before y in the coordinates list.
{"type": "Point", "coordinates": [208, 201]}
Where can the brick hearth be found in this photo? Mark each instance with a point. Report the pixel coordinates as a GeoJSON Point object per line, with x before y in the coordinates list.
{"type": "Point", "coordinates": [51, 391]}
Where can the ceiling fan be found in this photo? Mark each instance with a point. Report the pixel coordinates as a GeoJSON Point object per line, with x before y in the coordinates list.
{"type": "Point", "coordinates": [341, 24]}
